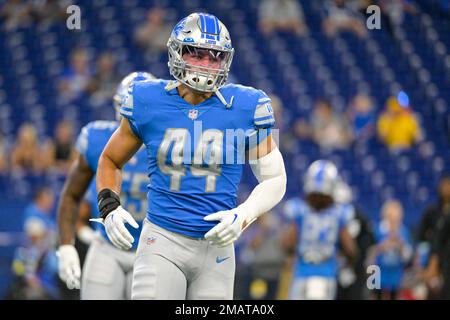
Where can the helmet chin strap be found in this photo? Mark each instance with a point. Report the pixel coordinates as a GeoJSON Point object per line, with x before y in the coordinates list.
{"type": "Point", "coordinates": [222, 99]}
{"type": "Point", "coordinates": [174, 84]}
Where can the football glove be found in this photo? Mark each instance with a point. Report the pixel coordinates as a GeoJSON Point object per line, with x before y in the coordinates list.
{"type": "Point", "coordinates": [115, 227]}
{"type": "Point", "coordinates": [232, 223]}
{"type": "Point", "coordinates": [69, 269]}
{"type": "Point", "coordinates": [271, 175]}
{"type": "Point", "coordinates": [114, 217]}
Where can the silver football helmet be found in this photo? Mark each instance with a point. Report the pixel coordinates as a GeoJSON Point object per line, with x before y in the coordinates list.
{"type": "Point", "coordinates": [122, 88]}
{"type": "Point", "coordinates": [321, 177]}
{"type": "Point", "coordinates": [200, 34]}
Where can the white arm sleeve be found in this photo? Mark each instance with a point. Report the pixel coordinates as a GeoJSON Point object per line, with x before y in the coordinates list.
{"type": "Point", "coordinates": [271, 175]}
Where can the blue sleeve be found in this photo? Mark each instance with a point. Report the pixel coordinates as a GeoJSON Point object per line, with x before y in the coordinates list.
{"type": "Point", "coordinates": [263, 118]}
{"type": "Point", "coordinates": [263, 121]}
{"type": "Point", "coordinates": [293, 211]}
{"type": "Point", "coordinates": [85, 146]}
{"type": "Point", "coordinates": [129, 107]}
{"type": "Point", "coordinates": [82, 142]}
{"type": "Point", "coordinates": [92, 139]}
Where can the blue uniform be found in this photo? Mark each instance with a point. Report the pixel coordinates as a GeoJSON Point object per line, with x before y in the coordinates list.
{"type": "Point", "coordinates": [391, 262]}
{"type": "Point", "coordinates": [318, 235]}
{"type": "Point", "coordinates": [190, 150]}
{"type": "Point", "coordinates": [90, 143]}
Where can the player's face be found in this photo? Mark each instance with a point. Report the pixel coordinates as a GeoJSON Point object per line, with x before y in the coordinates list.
{"type": "Point", "coordinates": [204, 57]}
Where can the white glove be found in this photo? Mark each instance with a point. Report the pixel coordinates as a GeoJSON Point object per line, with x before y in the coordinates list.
{"type": "Point", "coordinates": [69, 266]}
{"type": "Point", "coordinates": [115, 227]}
{"type": "Point", "coordinates": [228, 229]}
{"type": "Point", "coordinates": [271, 175]}
{"type": "Point", "coordinates": [86, 235]}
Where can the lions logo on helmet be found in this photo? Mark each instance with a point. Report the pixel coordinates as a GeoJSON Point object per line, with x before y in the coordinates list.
{"type": "Point", "coordinates": [206, 33]}
{"type": "Point", "coordinates": [121, 95]}
{"type": "Point", "coordinates": [321, 177]}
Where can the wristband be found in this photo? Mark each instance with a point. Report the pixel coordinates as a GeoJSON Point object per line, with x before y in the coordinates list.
{"type": "Point", "coordinates": [108, 201]}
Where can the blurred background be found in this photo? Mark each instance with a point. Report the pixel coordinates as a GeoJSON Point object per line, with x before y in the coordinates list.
{"type": "Point", "coordinates": [375, 102]}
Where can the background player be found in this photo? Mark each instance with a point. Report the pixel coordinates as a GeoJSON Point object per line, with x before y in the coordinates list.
{"type": "Point", "coordinates": [107, 271]}
{"type": "Point", "coordinates": [318, 224]}
{"type": "Point", "coordinates": [183, 251]}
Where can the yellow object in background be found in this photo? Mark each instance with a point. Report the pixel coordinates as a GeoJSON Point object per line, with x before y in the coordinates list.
{"type": "Point", "coordinates": [258, 289]}
{"type": "Point", "coordinates": [397, 126]}
{"type": "Point", "coordinates": [18, 267]}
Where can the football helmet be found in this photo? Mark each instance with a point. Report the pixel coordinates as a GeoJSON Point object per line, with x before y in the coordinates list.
{"type": "Point", "coordinates": [198, 35]}
{"type": "Point", "coordinates": [321, 177]}
{"type": "Point", "coordinates": [122, 88]}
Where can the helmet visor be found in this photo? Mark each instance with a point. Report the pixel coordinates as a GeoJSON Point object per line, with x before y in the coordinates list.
{"type": "Point", "coordinates": [205, 57]}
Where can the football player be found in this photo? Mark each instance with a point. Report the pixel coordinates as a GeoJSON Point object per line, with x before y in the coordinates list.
{"type": "Point", "coordinates": [107, 271]}
{"type": "Point", "coordinates": [318, 224]}
{"type": "Point", "coordinates": [196, 131]}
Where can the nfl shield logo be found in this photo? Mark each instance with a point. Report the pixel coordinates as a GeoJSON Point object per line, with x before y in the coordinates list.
{"type": "Point", "coordinates": [193, 114]}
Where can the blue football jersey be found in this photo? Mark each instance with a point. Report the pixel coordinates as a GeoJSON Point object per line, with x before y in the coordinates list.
{"type": "Point", "coordinates": [196, 153]}
{"type": "Point", "coordinates": [90, 143]}
{"type": "Point", "coordinates": [318, 237]}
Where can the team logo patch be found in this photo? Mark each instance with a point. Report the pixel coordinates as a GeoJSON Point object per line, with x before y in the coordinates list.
{"type": "Point", "coordinates": [193, 114]}
{"type": "Point", "coordinates": [151, 240]}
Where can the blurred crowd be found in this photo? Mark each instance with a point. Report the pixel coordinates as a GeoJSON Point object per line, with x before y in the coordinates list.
{"type": "Point", "coordinates": [21, 14]}
{"type": "Point", "coordinates": [338, 15]}
{"type": "Point", "coordinates": [396, 126]}
{"type": "Point", "coordinates": [35, 264]}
